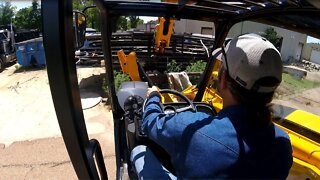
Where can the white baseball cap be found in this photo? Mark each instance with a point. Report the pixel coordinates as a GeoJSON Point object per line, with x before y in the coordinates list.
{"type": "Point", "coordinates": [250, 57]}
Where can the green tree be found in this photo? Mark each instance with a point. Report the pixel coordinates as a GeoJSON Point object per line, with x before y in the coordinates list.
{"type": "Point", "coordinates": [21, 16]}
{"type": "Point", "coordinates": [35, 16]}
{"type": "Point", "coordinates": [80, 4]}
{"type": "Point", "coordinates": [6, 13]}
{"type": "Point", "coordinates": [122, 23]}
{"type": "Point", "coordinates": [29, 17]}
{"type": "Point", "coordinates": [134, 21]}
{"type": "Point", "coordinates": [92, 14]}
{"type": "Point", "coordinates": [271, 35]}
{"type": "Point", "coordinates": [93, 19]}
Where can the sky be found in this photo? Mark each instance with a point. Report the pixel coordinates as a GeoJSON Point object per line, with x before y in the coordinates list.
{"type": "Point", "coordinates": [312, 40]}
{"type": "Point", "coordinates": [147, 18]}
{"type": "Point", "coordinates": [21, 3]}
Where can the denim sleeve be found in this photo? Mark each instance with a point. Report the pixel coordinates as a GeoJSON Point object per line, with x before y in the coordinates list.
{"type": "Point", "coordinates": [160, 127]}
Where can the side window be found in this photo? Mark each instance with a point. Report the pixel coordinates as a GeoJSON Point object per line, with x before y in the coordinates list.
{"type": "Point", "coordinates": [301, 64]}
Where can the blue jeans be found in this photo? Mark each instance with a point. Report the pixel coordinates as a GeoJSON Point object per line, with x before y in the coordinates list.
{"type": "Point", "coordinates": [147, 166]}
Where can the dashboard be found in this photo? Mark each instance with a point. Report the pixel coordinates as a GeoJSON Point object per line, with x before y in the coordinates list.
{"type": "Point", "coordinates": [171, 108]}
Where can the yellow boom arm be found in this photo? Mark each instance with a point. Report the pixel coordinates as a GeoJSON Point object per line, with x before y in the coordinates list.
{"type": "Point", "coordinates": [129, 64]}
{"type": "Point", "coordinates": [163, 34]}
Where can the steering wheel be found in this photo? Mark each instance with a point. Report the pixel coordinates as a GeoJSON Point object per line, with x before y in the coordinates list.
{"type": "Point", "coordinates": [179, 94]}
{"type": "Point", "coordinates": [182, 96]}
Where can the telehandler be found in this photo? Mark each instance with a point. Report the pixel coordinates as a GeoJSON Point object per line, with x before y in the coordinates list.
{"type": "Point", "coordinates": [301, 16]}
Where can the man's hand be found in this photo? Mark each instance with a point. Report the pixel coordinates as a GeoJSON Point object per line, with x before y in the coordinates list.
{"type": "Point", "coordinates": [152, 89]}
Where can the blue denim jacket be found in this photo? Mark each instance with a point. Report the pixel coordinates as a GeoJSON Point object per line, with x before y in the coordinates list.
{"type": "Point", "coordinates": [224, 146]}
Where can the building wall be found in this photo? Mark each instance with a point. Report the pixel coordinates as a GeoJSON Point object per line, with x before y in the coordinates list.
{"type": "Point", "coordinates": [192, 26]}
{"type": "Point", "coordinates": [147, 26]}
{"type": "Point", "coordinates": [307, 50]}
{"type": "Point", "coordinates": [182, 26]}
{"type": "Point", "coordinates": [292, 43]}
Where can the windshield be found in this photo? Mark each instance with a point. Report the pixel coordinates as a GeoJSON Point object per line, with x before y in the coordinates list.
{"type": "Point", "coordinates": [161, 49]}
{"type": "Point", "coordinates": [172, 52]}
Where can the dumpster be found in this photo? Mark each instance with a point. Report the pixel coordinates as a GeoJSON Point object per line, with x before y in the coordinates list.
{"type": "Point", "coordinates": [30, 52]}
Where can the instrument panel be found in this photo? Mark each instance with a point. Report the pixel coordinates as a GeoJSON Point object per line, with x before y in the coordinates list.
{"type": "Point", "coordinates": [171, 108]}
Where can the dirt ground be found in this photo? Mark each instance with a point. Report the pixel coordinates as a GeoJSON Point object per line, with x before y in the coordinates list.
{"type": "Point", "coordinates": [306, 100]}
{"type": "Point", "coordinates": [31, 146]}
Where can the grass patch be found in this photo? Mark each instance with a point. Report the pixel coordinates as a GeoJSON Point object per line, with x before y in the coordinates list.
{"type": "Point", "coordinates": [198, 66]}
{"type": "Point", "coordinates": [297, 85]}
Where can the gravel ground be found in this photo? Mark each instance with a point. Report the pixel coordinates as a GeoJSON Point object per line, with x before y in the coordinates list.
{"type": "Point", "coordinates": [31, 146]}
{"type": "Point", "coordinates": [306, 100]}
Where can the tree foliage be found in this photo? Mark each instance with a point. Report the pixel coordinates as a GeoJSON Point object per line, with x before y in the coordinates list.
{"type": "Point", "coordinates": [271, 35]}
{"type": "Point", "coordinates": [80, 4]}
{"type": "Point", "coordinates": [92, 14]}
{"type": "Point", "coordinates": [6, 13]}
{"type": "Point", "coordinates": [134, 21]}
{"type": "Point", "coordinates": [29, 17]}
{"type": "Point", "coordinates": [35, 15]}
{"type": "Point", "coordinates": [21, 18]}
{"type": "Point", "coordinates": [173, 66]}
{"type": "Point", "coordinates": [122, 23]}
{"type": "Point", "coordinates": [198, 66]}
{"type": "Point", "coordinates": [93, 17]}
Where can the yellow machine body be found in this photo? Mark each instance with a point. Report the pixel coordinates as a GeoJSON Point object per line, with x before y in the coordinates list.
{"type": "Point", "coordinates": [306, 152]}
{"type": "Point", "coordinates": [210, 95]}
{"type": "Point", "coordinates": [129, 64]}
